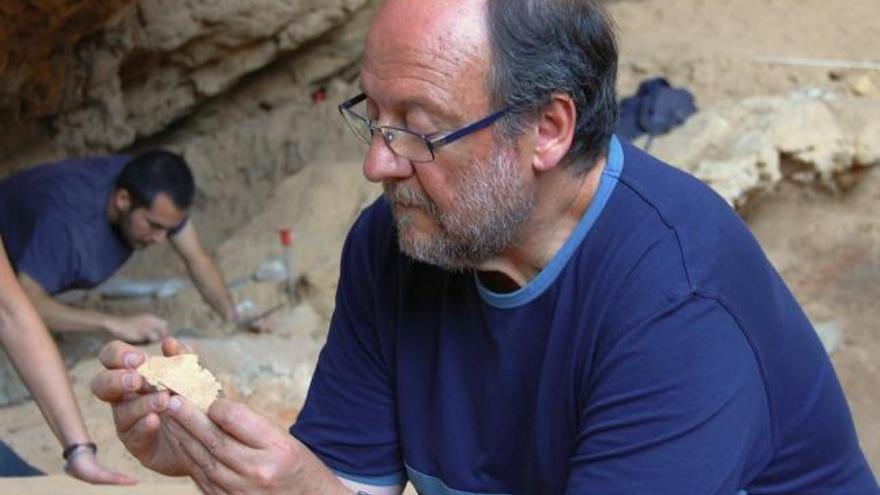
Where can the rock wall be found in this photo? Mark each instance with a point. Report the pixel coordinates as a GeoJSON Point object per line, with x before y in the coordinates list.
{"type": "Point", "coordinates": [89, 77]}
{"type": "Point", "coordinates": [40, 71]}
{"type": "Point", "coordinates": [205, 78]}
{"type": "Point", "coordinates": [744, 149]}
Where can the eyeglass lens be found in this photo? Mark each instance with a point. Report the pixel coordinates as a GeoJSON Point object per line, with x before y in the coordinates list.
{"type": "Point", "coordinates": [403, 143]}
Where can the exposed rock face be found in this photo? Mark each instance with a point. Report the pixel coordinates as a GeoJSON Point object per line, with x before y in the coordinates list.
{"type": "Point", "coordinates": [96, 76]}
{"type": "Point", "coordinates": [743, 149]}
{"type": "Point", "coordinates": [40, 74]}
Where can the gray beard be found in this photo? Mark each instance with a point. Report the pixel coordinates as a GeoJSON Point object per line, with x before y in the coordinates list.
{"type": "Point", "coordinates": [487, 218]}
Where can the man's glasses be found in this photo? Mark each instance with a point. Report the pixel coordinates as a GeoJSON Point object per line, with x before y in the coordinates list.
{"type": "Point", "coordinates": [405, 143]}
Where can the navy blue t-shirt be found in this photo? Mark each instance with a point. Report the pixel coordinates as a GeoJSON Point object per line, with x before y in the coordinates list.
{"type": "Point", "coordinates": [53, 220]}
{"type": "Point", "coordinates": [658, 352]}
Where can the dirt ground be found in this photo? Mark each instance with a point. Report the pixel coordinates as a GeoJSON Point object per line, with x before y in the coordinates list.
{"type": "Point", "coordinates": [826, 244]}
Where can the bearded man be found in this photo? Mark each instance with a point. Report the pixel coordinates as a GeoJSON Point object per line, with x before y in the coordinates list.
{"type": "Point", "coordinates": [533, 307]}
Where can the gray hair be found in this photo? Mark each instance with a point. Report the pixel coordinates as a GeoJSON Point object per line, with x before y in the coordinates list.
{"type": "Point", "coordinates": [545, 47]}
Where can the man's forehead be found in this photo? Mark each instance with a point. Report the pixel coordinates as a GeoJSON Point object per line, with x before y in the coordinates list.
{"type": "Point", "coordinates": [412, 100]}
{"type": "Point", "coordinates": [163, 211]}
{"type": "Point", "coordinates": [428, 25]}
{"type": "Point", "coordinates": [419, 54]}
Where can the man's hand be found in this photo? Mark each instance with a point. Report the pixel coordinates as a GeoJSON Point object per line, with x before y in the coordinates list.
{"type": "Point", "coordinates": [85, 466]}
{"type": "Point", "coordinates": [235, 450]}
{"type": "Point", "coordinates": [136, 408]}
{"type": "Point", "coordinates": [258, 325]}
{"type": "Point", "coordinates": [137, 329]}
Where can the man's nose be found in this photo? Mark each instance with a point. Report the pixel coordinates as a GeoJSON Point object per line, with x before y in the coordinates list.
{"type": "Point", "coordinates": [382, 164]}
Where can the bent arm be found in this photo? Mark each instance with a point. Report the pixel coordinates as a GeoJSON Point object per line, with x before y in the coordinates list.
{"type": "Point", "coordinates": [37, 360]}
{"type": "Point", "coordinates": [204, 271]}
{"type": "Point", "coordinates": [61, 317]}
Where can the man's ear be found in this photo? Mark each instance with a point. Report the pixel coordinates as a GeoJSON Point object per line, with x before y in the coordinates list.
{"type": "Point", "coordinates": [122, 199]}
{"type": "Point", "coordinates": [555, 131]}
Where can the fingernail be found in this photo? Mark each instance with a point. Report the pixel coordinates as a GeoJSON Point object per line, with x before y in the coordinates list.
{"type": "Point", "coordinates": [175, 403]}
{"type": "Point", "coordinates": [130, 381]}
{"type": "Point", "coordinates": [132, 359]}
{"type": "Point", "coordinates": [156, 402]}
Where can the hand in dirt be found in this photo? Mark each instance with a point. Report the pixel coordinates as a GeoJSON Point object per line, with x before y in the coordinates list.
{"type": "Point", "coordinates": [256, 326]}
{"type": "Point", "coordinates": [136, 407]}
{"type": "Point", "coordinates": [138, 329]}
{"type": "Point", "coordinates": [85, 466]}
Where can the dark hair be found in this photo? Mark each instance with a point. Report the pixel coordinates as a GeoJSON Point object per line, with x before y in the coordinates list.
{"type": "Point", "coordinates": [542, 47]}
{"type": "Point", "coordinates": [157, 171]}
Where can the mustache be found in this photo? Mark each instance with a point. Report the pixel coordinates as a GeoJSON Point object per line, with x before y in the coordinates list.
{"type": "Point", "coordinates": [399, 193]}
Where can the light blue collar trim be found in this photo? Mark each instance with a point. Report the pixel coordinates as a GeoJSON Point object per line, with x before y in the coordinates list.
{"type": "Point", "coordinates": [429, 485]}
{"type": "Point", "coordinates": [613, 169]}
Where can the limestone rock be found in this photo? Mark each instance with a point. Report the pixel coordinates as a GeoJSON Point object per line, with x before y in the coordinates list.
{"type": "Point", "coordinates": [743, 149]}
{"type": "Point", "coordinates": [863, 85]}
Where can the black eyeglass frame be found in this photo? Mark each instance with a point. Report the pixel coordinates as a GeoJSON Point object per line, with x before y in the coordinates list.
{"type": "Point", "coordinates": [432, 143]}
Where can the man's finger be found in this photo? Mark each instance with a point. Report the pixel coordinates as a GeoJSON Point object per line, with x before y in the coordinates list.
{"type": "Point", "coordinates": [211, 438]}
{"type": "Point", "coordinates": [142, 437]}
{"type": "Point", "coordinates": [113, 385]}
{"type": "Point", "coordinates": [173, 347]}
{"type": "Point", "coordinates": [118, 354]}
{"type": "Point", "coordinates": [127, 413]}
{"type": "Point", "coordinates": [205, 485]}
{"type": "Point", "coordinates": [211, 470]}
{"type": "Point", "coordinates": [242, 423]}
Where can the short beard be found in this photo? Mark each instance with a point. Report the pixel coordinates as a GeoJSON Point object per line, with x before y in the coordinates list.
{"type": "Point", "coordinates": [123, 228]}
{"type": "Point", "coordinates": [487, 218]}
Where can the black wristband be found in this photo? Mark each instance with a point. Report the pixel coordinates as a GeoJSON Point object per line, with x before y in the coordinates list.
{"type": "Point", "coordinates": [70, 449]}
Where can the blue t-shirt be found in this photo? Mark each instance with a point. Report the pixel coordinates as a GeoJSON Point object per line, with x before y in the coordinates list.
{"type": "Point", "coordinates": [658, 352]}
{"type": "Point", "coordinates": [53, 220]}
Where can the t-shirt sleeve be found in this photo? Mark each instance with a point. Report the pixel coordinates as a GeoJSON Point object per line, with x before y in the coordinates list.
{"type": "Point", "coordinates": [676, 405]}
{"type": "Point", "coordinates": [349, 418]}
{"type": "Point", "coordinates": [49, 256]}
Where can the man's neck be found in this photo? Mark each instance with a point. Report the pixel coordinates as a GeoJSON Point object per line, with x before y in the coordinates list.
{"type": "Point", "coordinates": [562, 200]}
